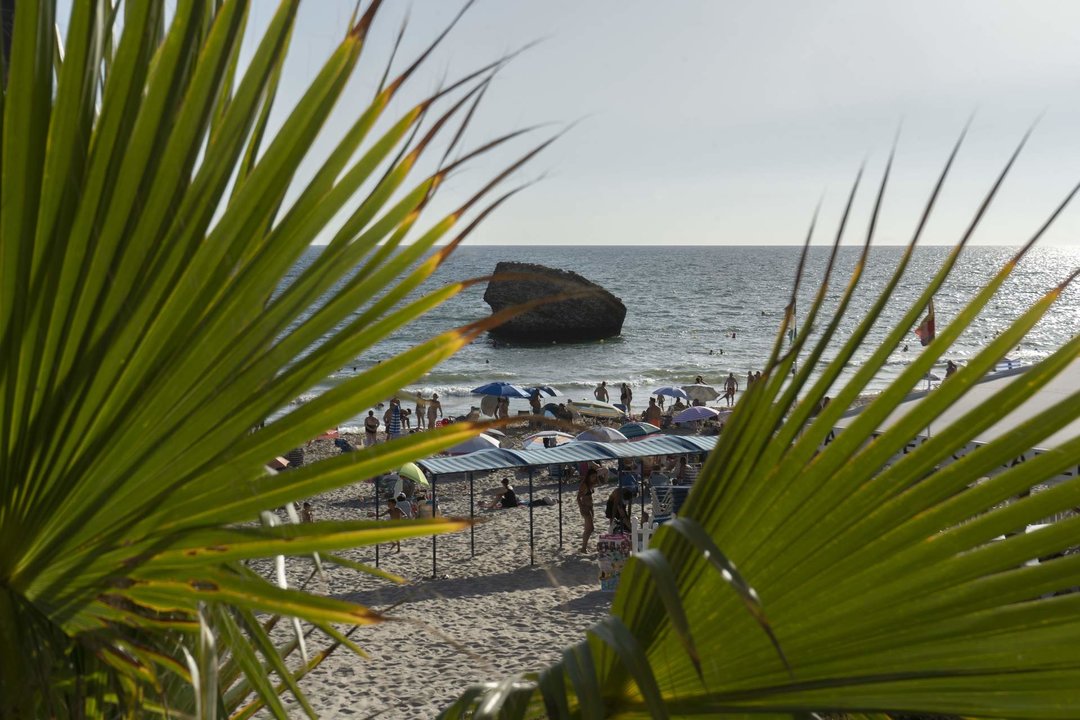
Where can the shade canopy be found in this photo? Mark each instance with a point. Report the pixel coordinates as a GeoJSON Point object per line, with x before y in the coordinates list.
{"type": "Point", "coordinates": [672, 392]}
{"type": "Point", "coordinates": [501, 388]}
{"type": "Point", "coordinates": [544, 390]}
{"type": "Point", "coordinates": [503, 458]}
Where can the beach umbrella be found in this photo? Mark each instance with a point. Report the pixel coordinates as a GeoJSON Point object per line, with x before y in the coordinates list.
{"type": "Point", "coordinates": [495, 433]}
{"type": "Point", "coordinates": [480, 442]}
{"type": "Point", "coordinates": [599, 433]}
{"type": "Point", "coordinates": [636, 430]}
{"type": "Point", "coordinates": [545, 391]}
{"type": "Point", "coordinates": [672, 392]}
{"type": "Point", "coordinates": [698, 391]}
{"type": "Point", "coordinates": [413, 472]}
{"type": "Point", "coordinates": [699, 412]}
{"type": "Point", "coordinates": [536, 440]}
{"type": "Point", "coordinates": [501, 388]}
{"type": "Point", "coordinates": [596, 409]}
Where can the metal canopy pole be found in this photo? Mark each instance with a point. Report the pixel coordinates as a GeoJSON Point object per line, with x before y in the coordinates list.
{"type": "Point", "coordinates": [434, 555]}
{"type": "Point", "coordinates": [559, 481]}
{"type": "Point", "coordinates": [532, 548]}
{"type": "Point", "coordinates": [472, 517]}
{"type": "Point", "coordinates": [375, 484]}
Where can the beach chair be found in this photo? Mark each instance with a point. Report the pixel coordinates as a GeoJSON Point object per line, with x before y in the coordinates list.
{"type": "Point", "coordinates": [663, 501]}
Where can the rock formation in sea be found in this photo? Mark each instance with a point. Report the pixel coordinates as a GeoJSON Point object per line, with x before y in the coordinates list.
{"type": "Point", "coordinates": [592, 314]}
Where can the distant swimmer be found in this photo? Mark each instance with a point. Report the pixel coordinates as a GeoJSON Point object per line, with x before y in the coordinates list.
{"type": "Point", "coordinates": [904, 349]}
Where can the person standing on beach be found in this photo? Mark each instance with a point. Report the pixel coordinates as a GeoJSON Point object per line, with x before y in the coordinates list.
{"type": "Point", "coordinates": [600, 393]}
{"type": "Point", "coordinates": [433, 407]}
{"type": "Point", "coordinates": [371, 429]}
{"type": "Point", "coordinates": [652, 413]}
{"type": "Point", "coordinates": [420, 402]}
{"type": "Point", "coordinates": [502, 410]}
{"type": "Point", "coordinates": [534, 402]}
{"type": "Point", "coordinates": [625, 396]}
{"type": "Point", "coordinates": [731, 386]}
{"type": "Point", "coordinates": [586, 507]}
{"type": "Point", "coordinates": [392, 420]}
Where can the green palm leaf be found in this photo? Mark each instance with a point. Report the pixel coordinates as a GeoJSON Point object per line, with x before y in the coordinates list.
{"type": "Point", "coordinates": [871, 573]}
{"type": "Point", "coordinates": [143, 243]}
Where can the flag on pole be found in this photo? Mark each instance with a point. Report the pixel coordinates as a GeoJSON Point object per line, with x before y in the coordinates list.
{"type": "Point", "coordinates": [926, 331]}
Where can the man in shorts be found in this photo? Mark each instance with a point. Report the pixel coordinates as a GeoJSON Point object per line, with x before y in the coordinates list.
{"type": "Point", "coordinates": [731, 386]}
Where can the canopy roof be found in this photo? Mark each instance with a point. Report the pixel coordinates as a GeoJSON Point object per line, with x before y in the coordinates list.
{"type": "Point", "coordinates": [1066, 383]}
{"type": "Point", "coordinates": [503, 458]}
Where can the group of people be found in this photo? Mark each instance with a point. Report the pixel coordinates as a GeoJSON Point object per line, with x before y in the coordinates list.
{"type": "Point", "coordinates": [398, 421]}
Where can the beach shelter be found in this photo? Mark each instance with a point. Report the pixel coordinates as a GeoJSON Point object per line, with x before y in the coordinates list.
{"type": "Point", "coordinates": [672, 392]}
{"type": "Point", "coordinates": [692, 414]}
{"type": "Point", "coordinates": [636, 430]}
{"type": "Point", "coordinates": [545, 391]}
{"type": "Point", "coordinates": [537, 441]}
{"type": "Point", "coordinates": [501, 388]}
{"type": "Point", "coordinates": [480, 442]}
{"type": "Point", "coordinates": [701, 392]}
{"type": "Point", "coordinates": [599, 433]}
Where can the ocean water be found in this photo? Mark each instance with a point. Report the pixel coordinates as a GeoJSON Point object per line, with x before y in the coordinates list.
{"type": "Point", "coordinates": [712, 310]}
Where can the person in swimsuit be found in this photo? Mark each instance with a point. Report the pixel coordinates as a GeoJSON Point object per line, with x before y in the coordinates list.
{"type": "Point", "coordinates": [585, 506]}
{"type": "Point", "coordinates": [434, 407]}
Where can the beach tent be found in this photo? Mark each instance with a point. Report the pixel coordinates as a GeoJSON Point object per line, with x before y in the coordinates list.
{"type": "Point", "coordinates": [700, 392]}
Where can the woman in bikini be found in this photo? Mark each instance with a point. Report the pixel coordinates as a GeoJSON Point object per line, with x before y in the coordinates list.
{"type": "Point", "coordinates": [585, 505]}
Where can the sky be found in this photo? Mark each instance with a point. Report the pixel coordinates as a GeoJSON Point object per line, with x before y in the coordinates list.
{"type": "Point", "coordinates": [719, 122]}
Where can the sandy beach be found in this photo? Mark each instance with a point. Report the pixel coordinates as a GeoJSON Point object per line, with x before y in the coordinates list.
{"type": "Point", "coordinates": [481, 618]}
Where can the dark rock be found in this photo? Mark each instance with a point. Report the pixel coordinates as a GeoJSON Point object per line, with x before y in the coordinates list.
{"type": "Point", "coordinates": [593, 316]}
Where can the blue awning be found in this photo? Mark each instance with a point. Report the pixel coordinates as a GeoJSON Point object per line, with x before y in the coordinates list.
{"type": "Point", "coordinates": [504, 458]}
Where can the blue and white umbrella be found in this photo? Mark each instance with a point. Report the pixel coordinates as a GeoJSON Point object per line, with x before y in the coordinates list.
{"type": "Point", "coordinates": [501, 388]}
{"type": "Point", "coordinates": [672, 392]}
{"type": "Point", "coordinates": [544, 390]}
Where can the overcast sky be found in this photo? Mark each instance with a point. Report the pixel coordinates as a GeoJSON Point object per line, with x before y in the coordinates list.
{"type": "Point", "coordinates": [717, 122]}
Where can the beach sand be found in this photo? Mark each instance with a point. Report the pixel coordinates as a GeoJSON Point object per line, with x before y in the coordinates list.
{"type": "Point", "coordinates": [482, 618]}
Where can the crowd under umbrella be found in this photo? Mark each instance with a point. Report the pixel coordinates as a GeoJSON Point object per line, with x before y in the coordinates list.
{"type": "Point", "coordinates": [672, 392]}
{"type": "Point", "coordinates": [698, 412]}
{"type": "Point", "coordinates": [599, 433]}
{"type": "Point", "coordinates": [638, 430]}
{"type": "Point", "coordinates": [546, 438]}
{"type": "Point", "coordinates": [701, 392]}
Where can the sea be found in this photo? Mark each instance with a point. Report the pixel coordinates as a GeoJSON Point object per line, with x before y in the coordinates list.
{"type": "Point", "coordinates": [711, 310]}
